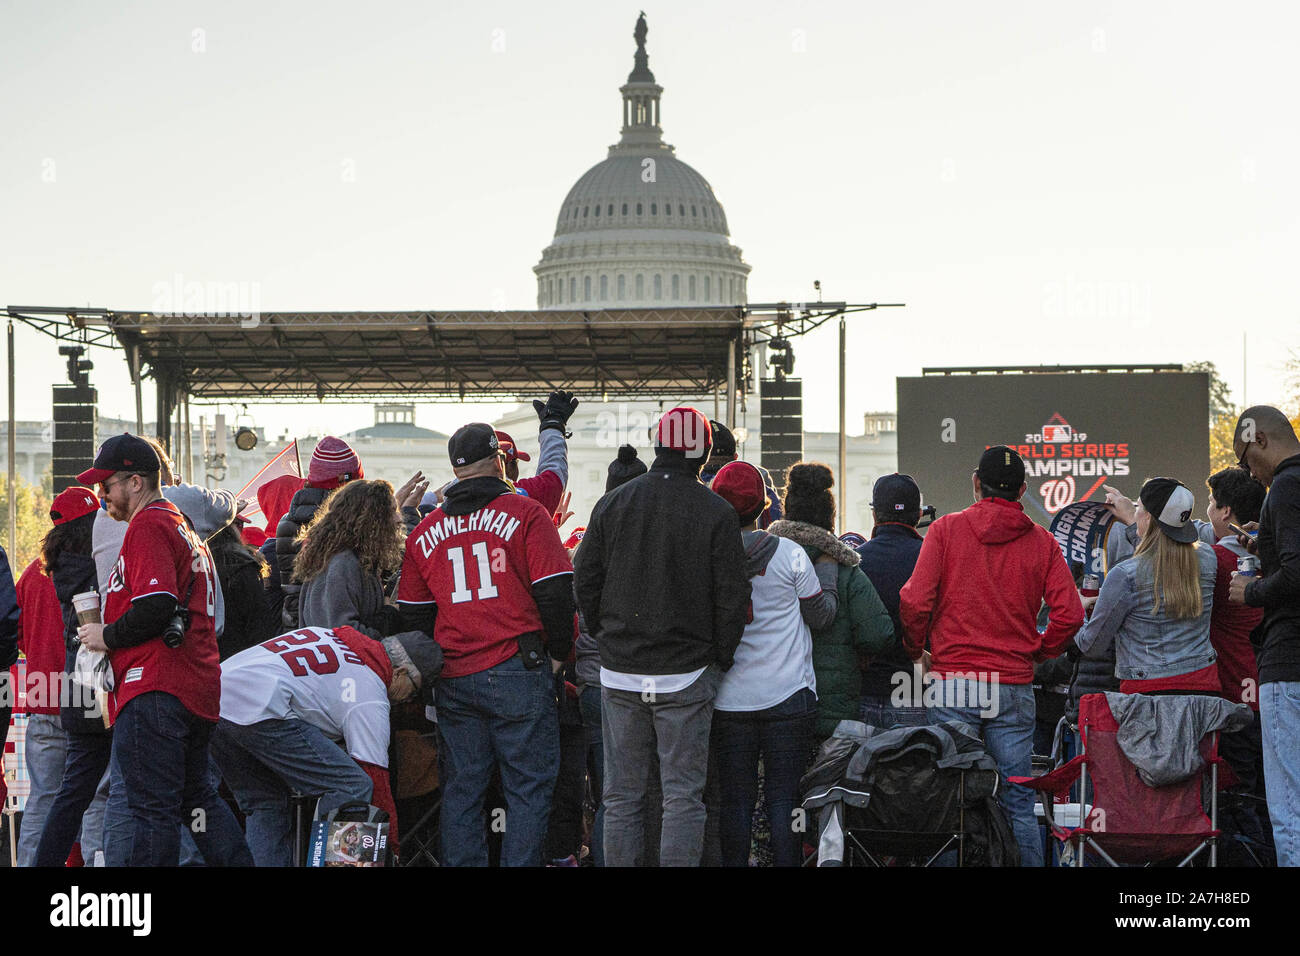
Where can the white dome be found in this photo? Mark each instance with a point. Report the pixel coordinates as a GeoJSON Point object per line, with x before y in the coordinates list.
{"type": "Point", "coordinates": [641, 190]}
{"type": "Point", "coordinates": [642, 228]}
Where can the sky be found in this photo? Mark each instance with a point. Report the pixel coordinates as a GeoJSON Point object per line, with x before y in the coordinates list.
{"type": "Point", "coordinates": [1039, 183]}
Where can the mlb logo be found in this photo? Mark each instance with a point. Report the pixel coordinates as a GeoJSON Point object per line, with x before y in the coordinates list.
{"type": "Point", "coordinates": [1057, 429]}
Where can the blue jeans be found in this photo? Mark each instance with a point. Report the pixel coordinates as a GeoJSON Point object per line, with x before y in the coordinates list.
{"type": "Point", "coordinates": [1279, 712]}
{"type": "Point", "coordinates": [783, 734]}
{"type": "Point", "coordinates": [47, 747]}
{"type": "Point", "coordinates": [86, 762]}
{"type": "Point", "coordinates": [589, 701]}
{"type": "Point", "coordinates": [1008, 735]}
{"type": "Point", "coordinates": [162, 750]}
{"type": "Point", "coordinates": [263, 763]}
{"type": "Point", "coordinates": [118, 825]}
{"type": "Point", "coordinates": [880, 712]}
{"type": "Point", "coordinates": [502, 718]}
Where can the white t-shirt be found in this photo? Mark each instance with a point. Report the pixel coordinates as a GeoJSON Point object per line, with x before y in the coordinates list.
{"type": "Point", "coordinates": [774, 659]}
{"type": "Point", "coordinates": [311, 675]}
{"type": "Point", "coordinates": [649, 683]}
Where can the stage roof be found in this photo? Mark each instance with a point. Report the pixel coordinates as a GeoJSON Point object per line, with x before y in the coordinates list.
{"type": "Point", "coordinates": [505, 356]}
{"type": "Point", "coordinates": [487, 355]}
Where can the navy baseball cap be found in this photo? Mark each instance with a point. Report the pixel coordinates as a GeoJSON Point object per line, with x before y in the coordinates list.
{"type": "Point", "coordinates": [724, 442]}
{"type": "Point", "coordinates": [124, 452]}
{"type": "Point", "coordinates": [473, 442]}
{"type": "Point", "coordinates": [897, 495]}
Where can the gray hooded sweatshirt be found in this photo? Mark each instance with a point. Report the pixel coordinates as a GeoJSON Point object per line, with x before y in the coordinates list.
{"type": "Point", "coordinates": [208, 510]}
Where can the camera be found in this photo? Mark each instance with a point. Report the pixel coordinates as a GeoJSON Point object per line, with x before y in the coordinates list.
{"type": "Point", "coordinates": [928, 514]}
{"type": "Point", "coordinates": [174, 632]}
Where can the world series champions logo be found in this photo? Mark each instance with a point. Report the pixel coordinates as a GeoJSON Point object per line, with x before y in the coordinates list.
{"type": "Point", "coordinates": [1068, 459]}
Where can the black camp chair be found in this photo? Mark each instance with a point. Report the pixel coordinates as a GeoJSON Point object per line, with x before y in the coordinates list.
{"type": "Point", "coordinates": [918, 800]}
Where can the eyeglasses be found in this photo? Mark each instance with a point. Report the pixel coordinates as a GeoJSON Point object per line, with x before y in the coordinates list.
{"type": "Point", "coordinates": [1241, 462]}
{"type": "Point", "coordinates": [107, 484]}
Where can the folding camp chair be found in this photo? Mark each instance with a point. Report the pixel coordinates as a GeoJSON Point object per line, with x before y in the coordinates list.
{"type": "Point", "coordinates": [1117, 815]}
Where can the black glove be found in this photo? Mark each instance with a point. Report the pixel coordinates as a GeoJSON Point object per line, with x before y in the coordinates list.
{"type": "Point", "coordinates": [555, 412]}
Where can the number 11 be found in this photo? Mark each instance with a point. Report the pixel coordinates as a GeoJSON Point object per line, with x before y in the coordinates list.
{"type": "Point", "coordinates": [457, 558]}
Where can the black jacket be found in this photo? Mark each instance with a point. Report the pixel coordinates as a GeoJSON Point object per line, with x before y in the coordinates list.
{"type": "Point", "coordinates": [75, 574]}
{"type": "Point", "coordinates": [888, 559]}
{"type": "Point", "coordinates": [302, 508]}
{"type": "Point", "coordinates": [660, 575]}
{"type": "Point", "coordinates": [249, 618]}
{"type": "Point", "coordinates": [1278, 589]}
{"type": "Point", "coordinates": [8, 613]}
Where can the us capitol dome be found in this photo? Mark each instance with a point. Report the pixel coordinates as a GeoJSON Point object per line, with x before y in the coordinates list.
{"type": "Point", "coordinates": [641, 229]}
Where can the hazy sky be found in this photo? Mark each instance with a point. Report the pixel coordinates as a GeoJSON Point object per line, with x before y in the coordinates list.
{"type": "Point", "coordinates": [1040, 183]}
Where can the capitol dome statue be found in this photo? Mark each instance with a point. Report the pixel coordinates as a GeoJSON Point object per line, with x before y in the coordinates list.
{"type": "Point", "coordinates": [641, 229]}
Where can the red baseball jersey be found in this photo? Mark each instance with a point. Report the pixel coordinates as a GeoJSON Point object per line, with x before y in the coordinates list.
{"type": "Point", "coordinates": [40, 638]}
{"type": "Point", "coordinates": [479, 569]}
{"type": "Point", "coordinates": [546, 489]}
{"type": "Point", "coordinates": [161, 555]}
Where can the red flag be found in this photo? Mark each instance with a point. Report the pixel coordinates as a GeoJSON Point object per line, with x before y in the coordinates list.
{"type": "Point", "coordinates": [284, 463]}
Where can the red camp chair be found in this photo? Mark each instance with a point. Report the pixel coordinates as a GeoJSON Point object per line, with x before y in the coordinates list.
{"type": "Point", "coordinates": [1123, 819]}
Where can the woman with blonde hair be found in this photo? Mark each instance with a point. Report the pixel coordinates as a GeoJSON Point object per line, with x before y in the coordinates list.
{"type": "Point", "coordinates": [1155, 605]}
{"type": "Point", "coordinates": [354, 539]}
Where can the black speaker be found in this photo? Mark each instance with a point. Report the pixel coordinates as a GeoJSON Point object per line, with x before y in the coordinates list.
{"type": "Point", "coordinates": [75, 422]}
{"type": "Point", "coordinates": [781, 426]}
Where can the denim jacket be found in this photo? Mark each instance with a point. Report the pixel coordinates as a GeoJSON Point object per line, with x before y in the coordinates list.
{"type": "Point", "coordinates": [1148, 644]}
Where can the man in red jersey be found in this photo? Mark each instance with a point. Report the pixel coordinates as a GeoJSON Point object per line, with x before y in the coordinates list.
{"type": "Point", "coordinates": [486, 574]}
{"type": "Point", "coordinates": [158, 631]}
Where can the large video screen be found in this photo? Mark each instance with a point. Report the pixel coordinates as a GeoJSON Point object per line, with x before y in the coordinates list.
{"type": "Point", "coordinates": [1076, 432]}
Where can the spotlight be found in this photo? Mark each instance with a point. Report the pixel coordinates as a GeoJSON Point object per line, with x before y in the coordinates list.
{"type": "Point", "coordinates": [245, 438]}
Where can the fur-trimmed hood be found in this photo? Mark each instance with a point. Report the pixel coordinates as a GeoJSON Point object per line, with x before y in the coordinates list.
{"type": "Point", "coordinates": [811, 536]}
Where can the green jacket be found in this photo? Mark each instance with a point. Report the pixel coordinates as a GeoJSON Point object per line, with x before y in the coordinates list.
{"type": "Point", "coordinates": [862, 627]}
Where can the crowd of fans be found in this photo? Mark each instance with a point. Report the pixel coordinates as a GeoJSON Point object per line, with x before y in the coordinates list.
{"type": "Point", "coordinates": [676, 662]}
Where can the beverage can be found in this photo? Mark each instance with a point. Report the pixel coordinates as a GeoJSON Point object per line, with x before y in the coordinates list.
{"type": "Point", "coordinates": [1090, 585]}
{"type": "Point", "coordinates": [1248, 566]}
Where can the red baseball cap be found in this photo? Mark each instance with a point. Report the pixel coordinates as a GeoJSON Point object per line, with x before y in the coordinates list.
{"type": "Point", "coordinates": [509, 449]}
{"type": "Point", "coordinates": [73, 503]}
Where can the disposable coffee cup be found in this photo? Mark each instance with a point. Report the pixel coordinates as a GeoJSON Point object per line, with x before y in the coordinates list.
{"type": "Point", "coordinates": [87, 607]}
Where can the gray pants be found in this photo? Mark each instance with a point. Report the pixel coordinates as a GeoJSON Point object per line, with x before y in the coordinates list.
{"type": "Point", "coordinates": [675, 727]}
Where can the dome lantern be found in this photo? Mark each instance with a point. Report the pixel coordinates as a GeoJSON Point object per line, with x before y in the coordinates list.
{"type": "Point", "coordinates": [641, 229]}
{"type": "Point", "coordinates": [641, 94]}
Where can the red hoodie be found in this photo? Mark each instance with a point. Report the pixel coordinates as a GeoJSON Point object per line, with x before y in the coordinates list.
{"type": "Point", "coordinates": [274, 499]}
{"type": "Point", "coordinates": [975, 594]}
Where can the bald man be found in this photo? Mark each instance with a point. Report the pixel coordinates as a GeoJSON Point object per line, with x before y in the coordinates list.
{"type": "Point", "coordinates": [1266, 446]}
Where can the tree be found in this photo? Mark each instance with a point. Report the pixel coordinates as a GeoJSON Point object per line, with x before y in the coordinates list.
{"type": "Point", "coordinates": [1223, 417]}
{"type": "Point", "coordinates": [33, 521]}
{"type": "Point", "coordinates": [1291, 404]}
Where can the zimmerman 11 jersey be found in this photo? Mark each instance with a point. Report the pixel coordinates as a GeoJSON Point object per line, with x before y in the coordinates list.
{"type": "Point", "coordinates": [479, 569]}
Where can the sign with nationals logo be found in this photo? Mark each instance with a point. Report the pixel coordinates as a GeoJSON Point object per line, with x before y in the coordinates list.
{"type": "Point", "coordinates": [1075, 431]}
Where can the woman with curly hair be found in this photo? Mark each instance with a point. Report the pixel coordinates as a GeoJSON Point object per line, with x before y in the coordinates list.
{"type": "Point", "coordinates": [862, 626]}
{"type": "Point", "coordinates": [355, 537]}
